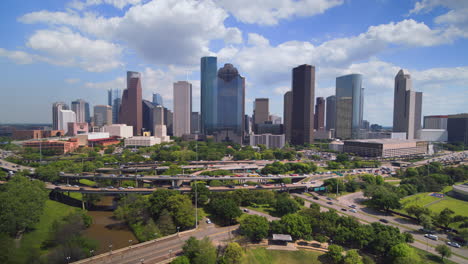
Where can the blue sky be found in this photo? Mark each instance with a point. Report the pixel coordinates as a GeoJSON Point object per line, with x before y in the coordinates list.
{"type": "Point", "coordinates": [54, 50]}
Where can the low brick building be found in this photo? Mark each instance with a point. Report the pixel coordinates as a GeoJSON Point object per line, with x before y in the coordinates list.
{"type": "Point", "coordinates": [58, 147]}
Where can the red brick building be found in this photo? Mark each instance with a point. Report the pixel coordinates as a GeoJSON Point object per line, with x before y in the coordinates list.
{"type": "Point", "coordinates": [58, 147]}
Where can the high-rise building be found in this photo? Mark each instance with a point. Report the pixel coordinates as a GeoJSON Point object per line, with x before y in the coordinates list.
{"type": "Point", "coordinates": [157, 99]}
{"type": "Point", "coordinates": [195, 123]}
{"type": "Point", "coordinates": [287, 115]}
{"type": "Point", "coordinates": [457, 128]}
{"type": "Point", "coordinates": [261, 113]}
{"type": "Point", "coordinates": [168, 121]}
{"type": "Point", "coordinates": [148, 124]}
{"type": "Point", "coordinates": [65, 117]}
{"type": "Point", "coordinates": [435, 122]}
{"type": "Point", "coordinates": [79, 107]}
{"type": "Point", "coordinates": [303, 93]}
{"type": "Point", "coordinates": [247, 125]}
{"type": "Point", "coordinates": [116, 105]}
{"type": "Point", "coordinates": [87, 113]}
{"type": "Point", "coordinates": [407, 106]}
{"type": "Point", "coordinates": [130, 111]}
{"type": "Point", "coordinates": [231, 104]}
{"type": "Point", "coordinates": [56, 107]}
{"type": "Point", "coordinates": [110, 101]}
{"type": "Point", "coordinates": [276, 120]}
{"type": "Point", "coordinates": [209, 94]}
{"type": "Point", "coordinates": [102, 115]}
{"type": "Point", "coordinates": [349, 106]}
{"type": "Point", "coordinates": [319, 119]}
{"type": "Point", "coordinates": [331, 112]}
{"type": "Point", "coordinates": [182, 108]}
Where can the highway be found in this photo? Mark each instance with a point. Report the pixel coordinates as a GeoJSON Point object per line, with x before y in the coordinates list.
{"type": "Point", "coordinates": [368, 215]}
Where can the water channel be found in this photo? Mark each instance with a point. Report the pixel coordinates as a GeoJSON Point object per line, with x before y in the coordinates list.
{"type": "Point", "coordinates": [107, 230]}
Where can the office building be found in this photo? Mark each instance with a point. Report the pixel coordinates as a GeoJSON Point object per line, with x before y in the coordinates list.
{"type": "Point", "coordinates": [157, 99]}
{"type": "Point", "coordinates": [319, 119]}
{"type": "Point", "coordinates": [209, 94]}
{"type": "Point", "coordinates": [433, 135]}
{"type": "Point", "coordinates": [287, 115]}
{"type": "Point", "coordinates": [116, 100]}
{"type": "Point", "coordinates": [435, 122]}
{"type": "Point", "coordinates": [182, 108]}
{"type": "Point", "coordinates": [195, 123]}
{"type": "Point", "coordinates": [269, 128]}
{"type": "Point", "coordinates": [54, 146]}
{"type": "Point", "coordinates": [110, 101]}
{"type": "Point", "coordinates": [269, 140]}
{"type": "Point", "coordinates": [247, 125]}
{"type": "Point", "coordinates": [303, 93]}
{"type": "Point", "coordinates": [457, 128]}
{"type": "Point", "coordinates": [148, 108]}
{"type": "Point", "coordinates": [158, 115]}
{"type": "Point", "coordinates": [385, 148]}
{"type": "Point", "coordinates": [130, 111]}
{"type": "Point", "coordinates": [276, 120]}
{"type": "Point", "coordinates": [79, 107]}
{"type": "Point", "coordinates": [56, 107]}
{"type": "Point", "coordinates": [231, 104]}
{"type": "Point", "coordinates": [65, 117]}
{"type": "Point", "coordinates": [35, 134]}
{"type": "Point", "coordinates": [365, 125]}
{"type": "Point", "coordinates": [102, 115]}
{"type": "Point", "coordinates": [349, 106]}
{"type": "Point", "coordinates": [407, 106]}
{"type": "Point", "coordinates": [261, 112]}
{"type": "Point", "coordinates": [385, 134]}
{"type": "Point", "coordinates": [87, 113]}
{"type": "Point", "coordinates": [141, 141]}
{"type": "Point", "coordinates": [83, 139]}
{"type": "Point", "coordinates": [77, 128]}
{"type": "Point", "coordinates": [168, 121]}
{"type": "Point", "coordinates": [331, 112]}
{"type": "Point", "coordinates": [119, 130]}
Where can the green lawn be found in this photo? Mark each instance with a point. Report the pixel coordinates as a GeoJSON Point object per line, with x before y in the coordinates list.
{"type": "Point", "coordinates": [77, 196]}
{"type": "Point", "coordinates": [264, 256]}
{"type": "Point", "coordinates": [428, 258]}
{"type": "Point", "coordinates": [87, 182]}
{"type": "Point", "coordinates": [263, 208]}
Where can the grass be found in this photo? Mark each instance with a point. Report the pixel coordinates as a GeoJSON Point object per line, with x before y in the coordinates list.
{"type": "Point", "coordinates": [262, 208]}
{"type": "Point", "coordinates": [262, 255]}
{"type": "Point", "coordinates": [428, 258]}
{"type": "Point", "coordinates": [32, 241]}
{"type": "Point", "coordinates": [87, 182]}
{"type": "Point", "coordinates": [76, 195]}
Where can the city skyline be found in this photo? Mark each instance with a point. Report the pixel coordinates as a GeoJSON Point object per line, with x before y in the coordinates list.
{"type": "Point", "coordinates": [398, 36]}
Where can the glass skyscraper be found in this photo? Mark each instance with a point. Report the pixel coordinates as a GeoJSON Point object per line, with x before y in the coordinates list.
{"type": "Point", "coordinates": [349, 106]}
{"type": "Point", "coordinates": [209, 94]}
{"type": "Point", "coordinates": [157, 99]}
{"type": "Point", "coordinates": [231, 102]}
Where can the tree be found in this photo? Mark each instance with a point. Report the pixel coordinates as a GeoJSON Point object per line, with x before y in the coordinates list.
{"type": "Point", "coordinates": [445, 217]}
{"type": "Point", "coordinates": [21, 204]}
{"type": "Point", "coordinates": [296, 225]}
{"type": "Point", "coordinates": [181, 260]}
{"type": "Point", "coordinates": [200, 251]}
{"type": "Point", "coordinates": [403, 254]}
{"type": "Point", "coordinates": [444, 251]}
{"type": "Point", "coordinates": [285, 205]}
{"type": "Point", "coordinates": [335, 253]}
{"type": "Point", "coordinates": [225, 210]}
{"type": "Point", "coordinates": [165, 223]}
{"type": "Point", "coordinates": [202, 192]}
{"type": "Point", "coordinates": [417, 211]}
{"type": "Point", "coordinates": [342, 157]}
{"type": "Point", "coordinates": [182, 211]}
{"type": "Point", "coordinates": [352, 257]}
{"type": "Point", "coordinates": [254, 227]}
{"type": "Point", "coordinates": [383, 198]}
{"type": "Point", "coordinates": [233, 254]}
{"type": "Point", "coordinates": [426, 221]}
{"type": "Point", "coordinates": [158, 200]}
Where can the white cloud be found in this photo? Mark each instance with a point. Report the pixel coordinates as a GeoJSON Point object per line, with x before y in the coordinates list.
{"type": "Point", "coordinates": [269, 12]}
{"type": "Point", "coordinates": [72, 80]}
{"type": "Point", "coordinates": [19, 57]}
{"type": "Point", "coordinates": [79, 5]}
{"type": "Point", "coordinates": [118, 83]}
{"type": "Point", "coordinates": [281, 90]}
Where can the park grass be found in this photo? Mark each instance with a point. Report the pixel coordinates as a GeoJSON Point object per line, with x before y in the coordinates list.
{"type": "Point", "coordinates": [265, 256]}
{"type": "Point", "coordinates": [32, 241]}
{"type": "Point", "coordinates": [262, 208]}
{"type": "Point", "coordinates": [87, 182]}
{"type": "Point", "coordinates": [76, 195]}
{"type": "Point", "coordinates": [458, 206]}
{"type": "Point", "coordinates": [429, 258]}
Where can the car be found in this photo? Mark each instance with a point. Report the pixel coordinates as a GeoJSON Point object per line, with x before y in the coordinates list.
{"type": "Point", "coordinates": [68, 185]}
{"type": "Point", "coordinates": [329, 203]}
{"type": "Point", "coordinates": [353, 206]}
{"type": "Point", "coordinates": [76, 186]}
{"type": "Point", "coordinates": [121, 188]}
{"type": "Point", "coordinates": [383, 220]}
{"type": "Point", "coordinates": [81, 189]}
{"type": "Point", "coordinates": [430, 236]}
{"type": "Point", "coordinates": [57, 188]}
{"type": "Point", "coordinates": [208, 221]}
{"type": "Point", "coordinates": [427, 231]}
{"type": "Point", "coordinates": [130, 187]}
{"type": "Point", "coordinates": [329, 199]}
{"type": "Point", "coordinates": [453, 244]}
{"type": "Point", "coordinates": [353, 211]}
{"type": "Point", "coordinates": [246, 210]}
{"type": "Point", "coordinates": [231, 186]}
{"type": "Point", "coordinates": [316, 198]}
{"type": "Point", "coordinates": [343, 209]}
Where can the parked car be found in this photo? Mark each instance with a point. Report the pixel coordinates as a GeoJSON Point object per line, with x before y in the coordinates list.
{"type": "Point", "coordinates": [383, 220]}
{"type": "Point", "coordinates": [430, 236]}
{"type": "Point", "coordinates": [330, 203]}
{"type": "Point", "coordinates": [208, 221]}
{"type": "Point", "coordinates": [344, 210]}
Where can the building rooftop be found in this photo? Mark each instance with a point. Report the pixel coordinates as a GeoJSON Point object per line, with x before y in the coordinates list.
{"type": "Point", "coordinates": [281, 237]}
{"type": "Point", "coordinates": [384, 140]}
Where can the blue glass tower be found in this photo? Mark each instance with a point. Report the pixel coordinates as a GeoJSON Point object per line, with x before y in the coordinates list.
{"type": "Point", "coordinates": [349, 106]}
{"type": "Point", "coordinates": [157, 99]}
{"type": "Point", "coordinates": [209, 94]}
{"type": "Point", "coordinates": [231, 102]}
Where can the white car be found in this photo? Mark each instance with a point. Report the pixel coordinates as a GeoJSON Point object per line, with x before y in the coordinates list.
{"type": "Point", "coordinates": [353, 210]}
{"type": "Point", "coordinates": [453, 244]}
{"type": "Point", "coordinates": [208, 221]}
{"type": "Point", "coordinates": [430, 236]}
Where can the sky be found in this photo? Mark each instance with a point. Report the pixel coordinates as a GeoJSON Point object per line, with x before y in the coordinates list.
{"type": "Point", "coordinates": [56, 50]}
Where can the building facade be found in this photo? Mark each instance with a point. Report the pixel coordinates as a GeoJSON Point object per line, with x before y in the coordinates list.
{"type": "Point", "coordinates": [79, 107]}
{"type": "Point", "coordinates": [141, 141]}
{"type": "Point", "coordinates": [195, 123]}
{"type": "Point", "coordinates": [349, 106]}
{"type": "Point", "coordinates": [331, 112]}
{"type": "Point", "coordinates": [261, 111]}
{"type": "Point", "coordinates": [157, 99]}
{"type": "Point", "coordinates": [182, 108]}
{"type": "Point", "coordinates": [209, 94]}
{"type": "Point", "coordinates": [385, 148]}
{"type": "Point", "coordinates": [130, 111]}
{"type": "Point", "coordinates": [407, 106]}
{"type": "Point", "coordinates": [435, 122]}
{"type": "Point", "coordinates": [269, 140]}
{"type": "Point", "coordinates": [319, 119]}
{"type": "Point", "coordinates": [287, 115]}
{"type": "Point", "coordinates": [303, 93]}
{"type": "Point", "coordinates": [119, 130]}
{"type": "Point", "coordinates": [77, 128]}
{"type": "Point", "coordinates": [457, 128]}
{"type": "Point", "coordinates": [55, 146]}
{"type": "Point", "coordinates": [102, 115]}
{"type": "Point", "coordinates": [56, 107]}
{"type": "Point", "coordinates": [65, 117]}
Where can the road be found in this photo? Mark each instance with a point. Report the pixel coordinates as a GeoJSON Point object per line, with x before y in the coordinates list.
{"type": "Point", "coordinates": [254, 212]}
{"type": "Point", "coordinates": [367, 215]}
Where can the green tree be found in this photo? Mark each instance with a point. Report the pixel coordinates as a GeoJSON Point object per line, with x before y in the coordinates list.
{"type": "Point", "coordinates": [21, 204]}
{"type": "Point", "coordinates": [444, 251]}
{"type": "Point", "coordinates": [383, 198]}
{"type": "Point", "coordinates": [445, 217]}
{"type": "Point", "coordinates": [181, 260]}
{"type": "Point", "coordinates": [200, 251]}
{"type": "Point", "coordinates": [202, 192]}
{"type": "Point", "coordinates": [417, 211]}
{"type": "Point", "coordinates": [403, 254]}
{"type": "Point", "coordinates": [335, 253]}
{"type": "Point", "coordinates": [296, 225]}
{"type": "Point", "coordinates": [285, 205]}
{"type": "Point", "coordinates": [224, 210]}
{"type": "Point", "coordinates": [165, 223]}
{"type": "Point", "coordinates": [254, 227]}
{"type": "Point", "coordinates": [181, 210]}
{"type": "Point", "coordinates": [233, 254]}
{"type": "Point", "coordinates": [352, 257]}
{"type": "Point", "coordinates": [342, 157]}
{"type": "Point", "coordinates": [427, 222]}
{"type": "Point", "coordinates": [158, 200]}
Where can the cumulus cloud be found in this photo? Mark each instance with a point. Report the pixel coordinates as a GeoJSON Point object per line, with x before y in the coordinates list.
{"type": "Point", "coordinates": [79, 5]}
{"type": "Point", "coordinates": [72, 80]}
{"type": "Point", "coordinates": [270, 12]}
{"type": "Point", "coordinates": [19, 57]}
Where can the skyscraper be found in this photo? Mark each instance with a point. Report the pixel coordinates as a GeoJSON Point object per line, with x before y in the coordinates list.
{"type": "Point", "coordinates": [102, 115]}
{"type": "Point", "coordinates": [87, 113]}
{"type": "Point", "coordinates": [157, 99]}
{"type": "Point", "coordinates": [116, 97]}
{"type": "Point", "coordinates": [407, 106]}
{"type": "Point", "coordinates": [110, 101]}
{"type": "Point", "coordinates": [231, 104]}
{"type": "Point", "coordinates": [349, 106]}
{"type": "Point", "coordinates": [457, 127]}
{"type": "Point", "coordinates": [79, 107]}
{"type": "Point", "coordinates": [130, 111]}
{"type": "Point", "coordinates": [195, 123]}
{"type": "Point", "coordinates": [209, 94]}
{"type": "Point", "coordinates": [147, 112]}
{"type": "Point", "coordinates": [319, 119]}
{"type": "Point", "coordinates": [261, 113]}
{"type": "Point", "coordinates": [287, 115]}
{"type": "Point", "coordinates": [56, 107]}
{"type": "Point", "coordinates": [182, 108]}
{"type": "Point", "coordinates": [303, 94]}
{"type": "Point", "coordinates": [331, 112]}
{"type": "Point", "coordinates": [65, 117]}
